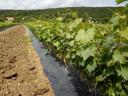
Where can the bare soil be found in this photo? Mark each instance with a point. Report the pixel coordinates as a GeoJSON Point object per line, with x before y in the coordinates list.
{"type": "Point", "coordinates": [20, 68]}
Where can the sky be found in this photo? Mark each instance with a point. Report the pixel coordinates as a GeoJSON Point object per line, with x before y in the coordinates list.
{"type": "Point", "coordinates": [43, 4]}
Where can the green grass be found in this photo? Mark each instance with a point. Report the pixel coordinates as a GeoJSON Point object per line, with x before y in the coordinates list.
{"type": "Point", "coordinates": [6, 24]}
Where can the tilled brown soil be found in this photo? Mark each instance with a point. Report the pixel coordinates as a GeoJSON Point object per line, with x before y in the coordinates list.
{"type": "Point", "coordinates": [20, 68]}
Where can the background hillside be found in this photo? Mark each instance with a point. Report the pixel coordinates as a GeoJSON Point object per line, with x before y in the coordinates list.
{"type": "Point", "coordinates": [97, 13]}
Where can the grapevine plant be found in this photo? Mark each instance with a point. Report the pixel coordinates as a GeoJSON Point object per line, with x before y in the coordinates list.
{"type": "Point", "coordinates": [100, 51]}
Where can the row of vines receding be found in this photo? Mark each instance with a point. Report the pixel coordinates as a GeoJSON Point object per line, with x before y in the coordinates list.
{"type": "Point", "coordinates": [99, 50]}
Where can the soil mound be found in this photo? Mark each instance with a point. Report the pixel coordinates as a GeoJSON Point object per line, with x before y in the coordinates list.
{"type": "Point", "coordinates": [20, 68]}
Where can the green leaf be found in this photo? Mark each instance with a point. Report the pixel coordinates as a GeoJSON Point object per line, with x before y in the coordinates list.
{"type": "Point", "coordinates": [81, 35]}
{"type": "Point", "coordinates": [120, 1]}
{"type": "Point", "coordinates": [59, 19]}
{"type": "Point", "coordinates": [125, 54]}
{"type": "Point", "coordinates": [106, 73]}
{"type": "Point", "coordinates": [89, 52]}
{"type": "Point", "coordinates": [124, 34]}
{"type": "Point", "coordinates": [111, 92]}
{"type": "Point", "coordinates": [71, 43]}
{"type": "Point", "coordinates": [56, 43]}
{"type": "Point", "coordinates": [74, 24]}
{"type": "Point", "coordinates": [86, 53]}
{"type": "Point", "coordinates": [85, 36]}
{"type": "Point", "coordinates": [118, 57]}
{"type": "Point", "coordinates": [115, 20]}
{"type": "Point", "coordinates": [91, 67]}
{"type": "Point", "coordinates": [68, 36]}
{"type": "Point", "coordinates": [100, 78]}
{"type": "Point", "coordinates": [123, 72]}
{"type": "Point", "coordinates": [78, 21]}
{"type": "Point", "coordinates": [82, 63]}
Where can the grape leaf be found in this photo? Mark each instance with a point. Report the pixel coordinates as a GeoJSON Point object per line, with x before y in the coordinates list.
{"type": "Point", "coordinates": [85, 36]}
{"type": "Point", "coordinates": [120, 1]}
{"type": "Point", "coordinates": [91, 67]}
{"type": "Point", "coordinates": [56, 43]}
{"type": "Point", "coordinates": [86, 53]}
{"type": "Point", "coordinates": [74, 24]}
{"type": "Point", "coordinates": [118, 57]}
{"type": "Point", "coordinates": [123, 72]}
{"type": "Point", "coordinates": [125, 54]}
{"type": "Point", "coordinates": [124, 34]}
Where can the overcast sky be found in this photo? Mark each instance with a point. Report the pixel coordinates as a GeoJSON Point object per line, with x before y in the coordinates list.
{"type": "Point", "coordinates": [42, 4]}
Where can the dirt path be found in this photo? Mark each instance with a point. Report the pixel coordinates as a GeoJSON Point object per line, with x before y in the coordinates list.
{"type": "Point", "coordinates": [20, 68]}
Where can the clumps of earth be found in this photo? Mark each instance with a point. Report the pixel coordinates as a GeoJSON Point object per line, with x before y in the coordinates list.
{"type": "Point", "coordinates": [20, 68]}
